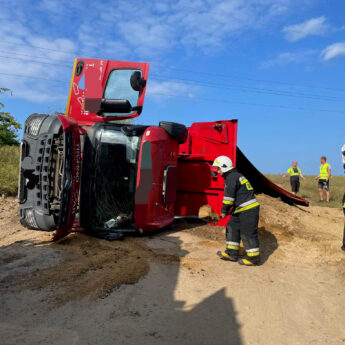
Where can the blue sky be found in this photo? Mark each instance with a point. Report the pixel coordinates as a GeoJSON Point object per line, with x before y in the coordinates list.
{"type": "Point", "coordinates": [276, 65]}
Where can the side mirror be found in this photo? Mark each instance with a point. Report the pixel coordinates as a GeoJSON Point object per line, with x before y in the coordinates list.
{"type": "Point", "coordinates": [102, 105]}
{"type": "Point", "coordinates": [137, 82]}
{"type": "Point", "coordinates": [122, 106]}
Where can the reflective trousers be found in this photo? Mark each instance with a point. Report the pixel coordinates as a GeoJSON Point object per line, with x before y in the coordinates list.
{"type": "Point", "coordinates": [244, 226]}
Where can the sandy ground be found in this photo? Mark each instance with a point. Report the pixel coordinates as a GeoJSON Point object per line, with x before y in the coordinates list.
{"type": "Point", "coordinates": [170, 288]}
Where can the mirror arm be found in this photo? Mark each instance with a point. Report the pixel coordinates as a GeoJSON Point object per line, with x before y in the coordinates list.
{"type": "Point", "coordinates": [138, 109]}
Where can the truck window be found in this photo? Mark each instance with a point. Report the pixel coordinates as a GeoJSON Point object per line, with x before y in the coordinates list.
{"type": "Point", "coordinates": [119, 87]}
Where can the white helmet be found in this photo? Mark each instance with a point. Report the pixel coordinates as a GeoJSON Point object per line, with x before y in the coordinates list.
{"type": "Point", "coordinates": [224, 163]}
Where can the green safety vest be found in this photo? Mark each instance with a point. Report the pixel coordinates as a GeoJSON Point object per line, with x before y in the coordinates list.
{"type": "Point", "coordinates": [291, 171]}
{"type": "Point", "coordinates": [324, 171]}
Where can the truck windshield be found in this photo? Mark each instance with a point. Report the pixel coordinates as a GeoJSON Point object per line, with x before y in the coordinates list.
{"type": "Point", "coordinates": [113, 188]}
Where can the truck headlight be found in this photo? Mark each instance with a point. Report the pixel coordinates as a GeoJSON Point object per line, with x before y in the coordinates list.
{"type": "Point", "coordinates": [29, 218]}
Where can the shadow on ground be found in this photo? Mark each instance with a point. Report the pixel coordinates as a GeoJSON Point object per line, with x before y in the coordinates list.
{"type": "Point", "coordinates": [142, 311]}
{"type": "Point", "coordinates": [268, 244]}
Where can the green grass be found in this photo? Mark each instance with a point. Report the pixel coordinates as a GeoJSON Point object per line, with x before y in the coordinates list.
{"type": "Point", "coordinates": [9, 167]}
{"type": "Point", "coordinates": [309, 189]}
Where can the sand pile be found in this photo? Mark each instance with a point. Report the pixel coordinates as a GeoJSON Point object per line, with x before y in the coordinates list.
{"type": "Point", "coordinates": [206, 213]}
{"type": "Point", "coordinates": [311, 234]}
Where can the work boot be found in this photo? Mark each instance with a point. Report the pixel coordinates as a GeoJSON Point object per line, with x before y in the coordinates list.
{"type": "Point", "coordinates": [250, 259]}
{"type": "Point", "coordinates": [247, 261]}
{"type": "Point", "coordinates": [228, 255]}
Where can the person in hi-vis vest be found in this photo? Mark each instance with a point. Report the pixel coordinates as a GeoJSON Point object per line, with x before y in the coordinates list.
{"type": "Point", "coordinates": [295, 172]}
{"type": "Point", "coordinates": [323, 177]}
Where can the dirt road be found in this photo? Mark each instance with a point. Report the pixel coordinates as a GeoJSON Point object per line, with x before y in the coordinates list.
{"type": "Point", "coordinates": [170, 288]}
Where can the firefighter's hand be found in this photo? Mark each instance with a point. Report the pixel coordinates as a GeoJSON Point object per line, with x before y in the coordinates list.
{"type": "Point", "coordinates": [222, 215]}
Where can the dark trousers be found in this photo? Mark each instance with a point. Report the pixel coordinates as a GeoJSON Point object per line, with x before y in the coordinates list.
{"type": "Point", "coordinates": [295, 184]}
{"type": "Point", "coordinates": [244, 226]}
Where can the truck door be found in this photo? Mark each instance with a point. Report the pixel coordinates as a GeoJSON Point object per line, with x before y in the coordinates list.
{"type": "Point", "coordinates": [104, 90]}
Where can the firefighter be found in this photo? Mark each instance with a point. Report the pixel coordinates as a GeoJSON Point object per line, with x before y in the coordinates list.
{"type": "Point", "coordinates": [295, 173]}
{"type": "Point", "coordinates": [343, 152]}
{"type": "Point", "coordinates": [323, 177]}
{"type": "Point", "coordinates": [239, 201]}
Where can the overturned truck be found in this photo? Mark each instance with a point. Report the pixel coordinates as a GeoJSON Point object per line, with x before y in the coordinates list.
{"type": "Point", "coordinates": [91, 170]}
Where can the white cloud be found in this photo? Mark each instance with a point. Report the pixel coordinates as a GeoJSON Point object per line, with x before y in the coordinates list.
{"type": "Point", "coordinates": [169, 89]}
{"type": "Point", "coordinates": [26, 70]}
{"type": "Point", "coordinates": [333, 50]}
{"type": "Point", "coordinates": [158, 27]}
{"type": "Point", "coordinates": [288, 58]}
{"type": "Point", "coordinates": [122, 30]}
{"type": "Point", "coordinates": [314, 26]}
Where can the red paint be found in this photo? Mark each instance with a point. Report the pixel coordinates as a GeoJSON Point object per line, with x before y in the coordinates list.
{"type": "Point", "coordinates": [70, 125]}
{"type": "Point", "coordinates": [152, 213]}
{"type": "Point", "coordinates": [197, 185]}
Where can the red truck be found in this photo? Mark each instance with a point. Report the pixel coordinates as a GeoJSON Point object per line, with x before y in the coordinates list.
{"type": "Point", "coordinates": [89, 170]}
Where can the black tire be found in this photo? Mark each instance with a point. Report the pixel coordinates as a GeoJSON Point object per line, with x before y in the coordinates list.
{"type": "Point", "coordinates": [176, 131]}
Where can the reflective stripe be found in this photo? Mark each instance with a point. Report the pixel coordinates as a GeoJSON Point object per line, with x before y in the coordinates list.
{"type": "Point", "coordinates": [71, 88]}
{"type": "Point", "coordinates": [247, 203]}
{"type": "Point", "coordinates": [228, 246]}
{"type": "Point", "coordinates": [228, 202]}
{"type": "Point", "coordinates": [252, 250]}
{"type": "Point", "coordinates": [324, 171]}
{"type": "Point", "coordinates": [232, 243]}
{"type": "Point", "coordinates": [247, 262]}
{"type": "Point", "coordinates": [247, 207]}
{"type": "Point", "coordinates": [228, 198]}
{"type": "Point", "coordinates": [244, 181]}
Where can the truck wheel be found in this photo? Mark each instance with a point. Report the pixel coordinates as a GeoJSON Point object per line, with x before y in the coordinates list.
{"type": "Point", "coordinates": [176, 131]}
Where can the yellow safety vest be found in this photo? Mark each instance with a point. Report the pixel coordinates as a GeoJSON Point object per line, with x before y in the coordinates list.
{"type": "Point", "coordinates": [324, 171]}
{"type": "Point", "coordinates": [291, 171]}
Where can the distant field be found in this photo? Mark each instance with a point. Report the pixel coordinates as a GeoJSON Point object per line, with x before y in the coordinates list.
{"type": "Point", "coordinates": [9, 163]}
{"type": "Point", "coordinates": [9, 166]}
{"type": "Point", "coordinates": [309, 189]}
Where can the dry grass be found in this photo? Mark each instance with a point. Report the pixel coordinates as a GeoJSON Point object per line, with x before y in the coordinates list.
{"type": "Point", "coordinates": [309, 189]}
{"type": "Point", "coordinates": [9, 167]}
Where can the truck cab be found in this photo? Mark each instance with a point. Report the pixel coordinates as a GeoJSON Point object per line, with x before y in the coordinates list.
{"type": "Point", "coordinates": [92, 169]}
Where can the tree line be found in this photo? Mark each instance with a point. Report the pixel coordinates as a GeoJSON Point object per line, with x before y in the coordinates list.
{"type": "Point", "coordinates": [8, 125]}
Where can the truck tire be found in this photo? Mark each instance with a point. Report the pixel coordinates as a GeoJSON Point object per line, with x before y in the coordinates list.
{"type": "Point", "coordinates": [176, 131]}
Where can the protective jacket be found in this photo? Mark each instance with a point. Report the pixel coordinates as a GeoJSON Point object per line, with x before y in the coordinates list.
{"type": "Point", "coordinates": [238, 193]}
